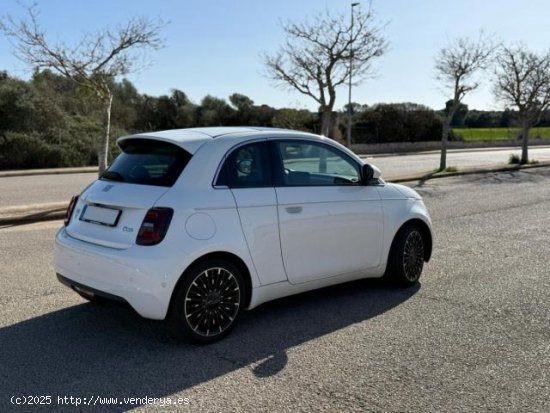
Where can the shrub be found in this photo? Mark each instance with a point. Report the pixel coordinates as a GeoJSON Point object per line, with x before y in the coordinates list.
{"type": "Point", "coordinates": [514, 159]}
{"type": "Point", "coordinates": [21, 151]}
{"type": "Point", "coordinates": [397, 123]}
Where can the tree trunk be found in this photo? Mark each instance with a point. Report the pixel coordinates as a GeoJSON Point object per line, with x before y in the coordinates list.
{"type": "Point", "coordinates": [325, 122]}
{"type": "Point", "coordinates": [103, 145]}
{"type": "Point", "coordinates": [524, 142]}
{"type": "Point", "coordinates": [444, 142]}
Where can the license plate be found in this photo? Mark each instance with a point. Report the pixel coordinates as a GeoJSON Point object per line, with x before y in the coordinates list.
{"type": "Point", "coordinates": [100, 215]}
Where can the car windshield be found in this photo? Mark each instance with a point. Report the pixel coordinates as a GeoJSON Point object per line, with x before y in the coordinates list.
{"type": "Point", "coordinates": [147, 162]}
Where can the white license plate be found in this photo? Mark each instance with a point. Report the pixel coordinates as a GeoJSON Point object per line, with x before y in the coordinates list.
{"type": "Point", "coordinates": [100, 215]}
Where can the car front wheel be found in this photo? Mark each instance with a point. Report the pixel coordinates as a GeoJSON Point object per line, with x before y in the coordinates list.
{"type": "Point", "coordinates": [406, 259]}
{"type": "Point", "coordinates": [208, 302]}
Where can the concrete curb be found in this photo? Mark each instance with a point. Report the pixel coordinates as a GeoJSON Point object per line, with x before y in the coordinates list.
{"type": "Point", "coordinates": [56, 210]}
{"type": "Point", "coordinates": [32, 213]}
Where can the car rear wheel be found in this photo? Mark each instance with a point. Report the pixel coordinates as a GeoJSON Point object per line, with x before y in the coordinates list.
{"type": "Point", "coordinates": [208, 302]}
{"type": "Point", "coordinates": [406, 259]}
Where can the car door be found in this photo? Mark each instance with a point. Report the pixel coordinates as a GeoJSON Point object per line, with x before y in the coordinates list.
{"type": "Point", "coordinates": [247, 172]}
{"type": "Point", "coordinates": [329, 223]}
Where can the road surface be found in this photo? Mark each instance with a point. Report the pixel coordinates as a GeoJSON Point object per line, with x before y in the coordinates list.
{"type": "Point", "coordinates": [473, 336]}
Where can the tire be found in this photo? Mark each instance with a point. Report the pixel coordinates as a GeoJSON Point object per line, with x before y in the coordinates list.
{"type": "Point", "coordinates": [406, 258]}
{"type": "Point", "coordinates": [207, 302]}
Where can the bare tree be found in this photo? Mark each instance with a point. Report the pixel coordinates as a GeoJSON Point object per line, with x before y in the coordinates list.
{"type": "Point", "coordinates": [94, 62]}
{"type": "Point", "coordinates": [315, 58]}
{"type": "Point", "coordinates": [456, 68]}
{"type": "Point", "coordinates": [523, 81]}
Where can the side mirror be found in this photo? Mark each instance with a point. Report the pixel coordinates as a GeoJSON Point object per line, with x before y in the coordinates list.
{"type": "Point", "coordinates": [369, 173]}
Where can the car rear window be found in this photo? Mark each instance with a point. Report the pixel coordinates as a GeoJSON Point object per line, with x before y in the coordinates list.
{"type": "Point", "coordinates": [147, 162]}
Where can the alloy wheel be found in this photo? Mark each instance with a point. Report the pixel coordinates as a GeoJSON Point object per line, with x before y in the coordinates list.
{"type": "Point", "coordinates": [212, 302]}
{"type": "Point", "coordinates": [413, 256]}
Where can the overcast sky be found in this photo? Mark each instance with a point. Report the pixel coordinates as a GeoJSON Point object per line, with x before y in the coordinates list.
{"type": "Point", "coordinates": [213, 47]}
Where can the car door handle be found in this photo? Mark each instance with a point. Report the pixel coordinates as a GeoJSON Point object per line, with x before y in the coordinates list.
{"type": "Point", "coordinates": [294, 209]}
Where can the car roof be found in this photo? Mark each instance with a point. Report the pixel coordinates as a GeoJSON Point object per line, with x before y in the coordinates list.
{"type": "Point", "coordinates": [192, 138]}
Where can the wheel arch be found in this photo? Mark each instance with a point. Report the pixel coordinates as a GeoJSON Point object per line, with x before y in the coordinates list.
{"type": "Point", "coordinates": [425, 231]}
{"type": "Point", "coordinates": [220, 255]}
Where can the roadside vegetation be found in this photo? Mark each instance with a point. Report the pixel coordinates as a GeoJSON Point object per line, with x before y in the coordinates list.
{"type": "Point", "coordinates": [50, 121]}
{"type": "Point", "coordinates": [489, 134]}
{"type": "Point", "coordinates": [447, 169]}
{"type": "Point", "coordinates": [516, 160]}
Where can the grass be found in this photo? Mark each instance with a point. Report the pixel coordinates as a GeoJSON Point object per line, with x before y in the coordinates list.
{"type": "Point", "coordinates": [516, 160]}
{"type": "Point", "coordinates": [489, 134]}
{"type": "Point", "coordinates": [447, 169]}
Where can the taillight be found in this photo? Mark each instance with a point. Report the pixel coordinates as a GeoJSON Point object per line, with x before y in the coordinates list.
{"type": "Point", "coordinates": [154, 226]}
{"type": "Point", "coordinates": [69, 211]}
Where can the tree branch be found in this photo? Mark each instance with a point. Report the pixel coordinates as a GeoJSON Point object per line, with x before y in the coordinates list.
{"type": "Point", "coordinates": [315, 58]}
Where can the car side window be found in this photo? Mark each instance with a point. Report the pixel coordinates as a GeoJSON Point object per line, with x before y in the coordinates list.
{"type": "Point", "coordinates": [316, 164]}
{"type": "Point", "coordinates": [247, 167]}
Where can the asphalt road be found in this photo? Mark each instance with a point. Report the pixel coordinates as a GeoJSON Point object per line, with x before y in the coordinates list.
{"type": "Point", "coordinates": [37, 189]}
{"type": "Point", "coordinates": [473, 336]}
{"type": "Point", "coordinates": [24, 190]}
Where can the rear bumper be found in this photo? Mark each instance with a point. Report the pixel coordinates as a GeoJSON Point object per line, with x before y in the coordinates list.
{"type": "Point", "coordinates": [86, 289]}
{"type": "Point", "coordinates": [126, 275]}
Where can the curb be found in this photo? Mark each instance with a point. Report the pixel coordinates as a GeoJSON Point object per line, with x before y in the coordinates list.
{"type": "Point", "coordinates": [56, 210]}
{"type": "Point", "coordinates": [27, 214]}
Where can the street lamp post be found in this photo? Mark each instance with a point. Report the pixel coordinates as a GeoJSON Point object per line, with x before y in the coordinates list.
{"type": "Point", "coordinates": [350, 74]}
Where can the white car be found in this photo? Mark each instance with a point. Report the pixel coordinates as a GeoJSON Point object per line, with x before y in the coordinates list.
{"type": "Point", "coordinates": [195, 225]}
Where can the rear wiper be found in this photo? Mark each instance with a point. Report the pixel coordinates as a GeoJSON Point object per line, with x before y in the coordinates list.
{"type": "Point", "coordinates": [112, 176]}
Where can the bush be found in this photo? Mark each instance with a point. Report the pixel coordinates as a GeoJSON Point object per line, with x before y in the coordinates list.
{"type": "Point", "coordinates": [27, 151]}
{"type": "Point", "coordinates": [398, 123]}
{"type": "Point", "coordinates": [293, 119]}
{"type": "Point", "coordinates": [514, 159]}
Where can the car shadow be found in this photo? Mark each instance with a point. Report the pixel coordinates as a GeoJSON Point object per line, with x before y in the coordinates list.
{"type": "Point", "coordinates": [108, 350]}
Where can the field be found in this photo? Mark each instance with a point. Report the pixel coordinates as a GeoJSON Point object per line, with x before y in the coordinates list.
{"type": "Point", "coordinates": [489, 134]}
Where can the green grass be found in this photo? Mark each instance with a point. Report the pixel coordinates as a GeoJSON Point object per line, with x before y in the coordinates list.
{"type": "Point", "coordinates": [489, 134]}
{"type": "Point", "coordinates": [447, 169]}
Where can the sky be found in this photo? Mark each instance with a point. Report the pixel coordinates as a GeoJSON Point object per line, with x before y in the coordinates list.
{"type": "Point", "coordinates": [213, 47]}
